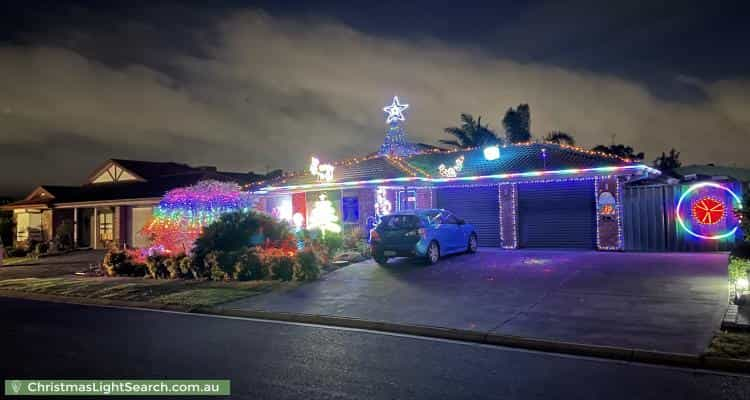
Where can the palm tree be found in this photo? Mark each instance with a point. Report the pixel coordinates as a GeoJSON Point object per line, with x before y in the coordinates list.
{"type": "Point", "coordinates": [560, 137]}
{"type": "Point", "coordinates": [470, 134]}
{"type": "Point", "coordinates": [620, 150]}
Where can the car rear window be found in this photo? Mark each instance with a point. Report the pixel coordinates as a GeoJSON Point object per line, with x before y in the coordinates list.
{"type": "Point", "coordinates": [400, 222]}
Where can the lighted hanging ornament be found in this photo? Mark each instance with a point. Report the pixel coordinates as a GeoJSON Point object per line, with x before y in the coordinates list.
{"type": "Point", "coordinates": [452, 172]}
{"type": "Point", "coordinates": [323, 216]}
{"type": "Point", "coordinates": [382, 204]}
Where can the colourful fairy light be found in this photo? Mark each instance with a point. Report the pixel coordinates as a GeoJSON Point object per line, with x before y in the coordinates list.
{"type": "Point", "coordinates": [496, 177]}
{"type": "Point", "coordinates": [703, 230]}
{"type": "Point", "coordinates": [181, 215]}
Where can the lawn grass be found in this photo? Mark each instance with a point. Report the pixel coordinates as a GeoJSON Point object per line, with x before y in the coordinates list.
{"type": "Point", "coordinates": [730, 345]}
{"type": "Point", "coordinates": [17, 260]}
{"type": "Point", "coordinates": [182, 292]}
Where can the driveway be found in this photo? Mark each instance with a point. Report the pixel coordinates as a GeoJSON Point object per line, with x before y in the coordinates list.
{"type": "Point", "coordinates": [655, 301]}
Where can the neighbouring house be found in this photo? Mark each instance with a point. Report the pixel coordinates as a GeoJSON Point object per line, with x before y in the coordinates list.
{"type": "Point", "coordinates": [113, 205]}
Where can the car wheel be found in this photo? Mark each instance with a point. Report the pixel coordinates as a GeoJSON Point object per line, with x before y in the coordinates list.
{"type": "Point", "coordinates": [472, 246]}
{"type": "Point", "coordinates": [380, 259]}
{"type": "Point", "coordinates": [433, 253]}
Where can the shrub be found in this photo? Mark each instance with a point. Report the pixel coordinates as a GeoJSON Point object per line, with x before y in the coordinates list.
{"type": "Point", "coordinates": [17, 252]}
{"type": "Point", "coordinates": [40, 248]}
{"type": "Point", "coordinates": [63, 236]}
{"type": "Point", "coordinates": [157, 266]}
{"type": "Point", "coordinates": [234, 231]}
{"type": "Point", "coordinates": [250, 266]}
{"type": "Point", "coordinates": [307, 267]}
{"type": "Point", "coordinates": [119, 263]}
{"type": "Point", "coordinates": [280, 264]}
{"type": "Point", "coordinates": [332, 242]}
{"type": "Point", "coordinates": [213, 268]}
{"type": "Point", "coordinates": [180, 266]}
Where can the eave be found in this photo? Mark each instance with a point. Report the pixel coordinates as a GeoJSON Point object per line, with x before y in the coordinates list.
{"type": "Point", "coordinates": [545, 175]}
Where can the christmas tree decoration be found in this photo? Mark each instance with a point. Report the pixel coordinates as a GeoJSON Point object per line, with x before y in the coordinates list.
{"type": "Point", "coordinates": [181, 215]}
{"type": "Point", "coordinates": [395, 143]}
{"type": "Point", "coordinates": [323, 216]}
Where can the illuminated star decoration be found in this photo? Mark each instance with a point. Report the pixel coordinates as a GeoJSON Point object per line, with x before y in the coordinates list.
{"type": "Point", "coordinates": [395, 111]}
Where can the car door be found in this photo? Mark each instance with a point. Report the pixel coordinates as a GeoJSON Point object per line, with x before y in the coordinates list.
{"type": "Point", "coordinates": [450, 232]}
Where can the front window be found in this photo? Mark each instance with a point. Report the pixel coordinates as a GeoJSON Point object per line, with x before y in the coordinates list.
{"type": "Point", "coordinates": [407, 200]}
{"type": "Point", "coordinates": [106, 225]}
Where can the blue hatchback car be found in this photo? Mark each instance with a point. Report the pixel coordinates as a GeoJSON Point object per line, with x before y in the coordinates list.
{"type": "Point", "coordinates": [430, 233]}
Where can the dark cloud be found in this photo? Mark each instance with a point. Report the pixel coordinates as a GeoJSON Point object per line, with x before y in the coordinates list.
{"type": "Point", "coordinates": [245, 90]}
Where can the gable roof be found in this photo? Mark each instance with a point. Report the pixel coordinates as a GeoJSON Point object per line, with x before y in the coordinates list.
{"type": "Point", "coordinates": [740, 174]}
{"type": "Point", "coordinates": [515, 162]}
{"type": "Point", "coordinates": [157, 178]}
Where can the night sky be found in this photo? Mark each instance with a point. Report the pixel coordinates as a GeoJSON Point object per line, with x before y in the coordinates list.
{"type": "Point", "coordinates": [256, 85]}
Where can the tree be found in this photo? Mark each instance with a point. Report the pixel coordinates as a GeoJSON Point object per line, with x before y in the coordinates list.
{"type": "Point", "coordinates": [471, 133]}
{"type": "Point", "coordinates": [517, 124]}
{"type": "Point", "coordinates": [620, 150]}
{"type": "Point", "coordinates": [560, 137]}
{"type": "Point", "coordinates": [668, 162]}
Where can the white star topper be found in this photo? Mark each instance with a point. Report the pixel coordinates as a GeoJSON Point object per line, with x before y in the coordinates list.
{"type": "Point", "coordinates": [395, 111]}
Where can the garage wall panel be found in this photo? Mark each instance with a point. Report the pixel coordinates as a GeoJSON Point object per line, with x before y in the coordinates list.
{"type": "Point", "coordinates": [476, 205]}
{"type": "Point", "coordinates": [557, 214]}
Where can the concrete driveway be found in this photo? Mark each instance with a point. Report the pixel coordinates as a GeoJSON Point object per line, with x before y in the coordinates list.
{"type": "Point", "coordinates": [656, 301]}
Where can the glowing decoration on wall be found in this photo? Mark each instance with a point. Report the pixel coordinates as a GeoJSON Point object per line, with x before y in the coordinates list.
{"type": "Point", "coordinates": [451, 172]}
{"type": "Point", "coordinates": [607, 204]}
{"type": "Point", "coordinates": [708, 210]}
{"type": "Point", "coordinates": [702, 212]}
{"type": "Point", "coordinates": [323, 216]}
{"type": "Point", "coordinates": [298, 220]}
{"type": "Point", "coordinates": [491, 153]}
{"type": "Point", "coordinates": [283, 210]}
{"type": "Point", "coordinates": [324, 172]}
{"type": "Point", "coordinates": [395, 111]}
{"type": "Point", "coordinates": [181, 215]}
{"type": "Point", "coordinates": [382, 204]}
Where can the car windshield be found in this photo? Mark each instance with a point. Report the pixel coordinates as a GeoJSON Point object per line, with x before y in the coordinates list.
{"type": "Point", "coordinates": [400, 222]}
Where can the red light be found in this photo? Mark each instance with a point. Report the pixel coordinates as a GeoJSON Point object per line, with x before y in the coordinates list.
{"type": "Point", "coordinates": [422, 232]}
{"type": "Point", "coordinates": [374, 236]}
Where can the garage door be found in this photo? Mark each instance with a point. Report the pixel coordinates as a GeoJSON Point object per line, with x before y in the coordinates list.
{"type": "Point", "coordinates": [478, 206]}
{"type": "Point", "coordinates": [557, 214]}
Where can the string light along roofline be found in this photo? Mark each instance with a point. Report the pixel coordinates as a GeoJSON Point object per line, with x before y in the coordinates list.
{"type": "Point", "coordinates": [357, 160]}
{"type": "Point", "coordinates": [498, 177]}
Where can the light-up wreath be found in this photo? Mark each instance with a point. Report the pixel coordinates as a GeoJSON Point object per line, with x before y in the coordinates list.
{"type": "Point", "coordinates": [708, 208]}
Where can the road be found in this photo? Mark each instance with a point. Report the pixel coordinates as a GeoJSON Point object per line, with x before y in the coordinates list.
{"type": "Point", "coordinates": [268, 360]}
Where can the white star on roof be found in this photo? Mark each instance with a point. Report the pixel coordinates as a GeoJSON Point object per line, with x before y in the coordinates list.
{"type": "Point", "coordinates": [395, 111]}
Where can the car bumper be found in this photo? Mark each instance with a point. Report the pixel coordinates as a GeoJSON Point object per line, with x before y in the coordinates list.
{"type": "Point", "coordinates": [393, 250]}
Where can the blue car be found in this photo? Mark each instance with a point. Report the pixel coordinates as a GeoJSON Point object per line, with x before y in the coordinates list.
{"type": "Point", "coordinates": [430, 233]}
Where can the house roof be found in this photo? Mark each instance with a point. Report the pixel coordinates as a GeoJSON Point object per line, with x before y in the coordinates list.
{"type": "Point", "coordinates": [515, 162]}
{"type": "Point", "coordinates": [154, 186]}
{"type": "Point", "coordinates": [740, 174]}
